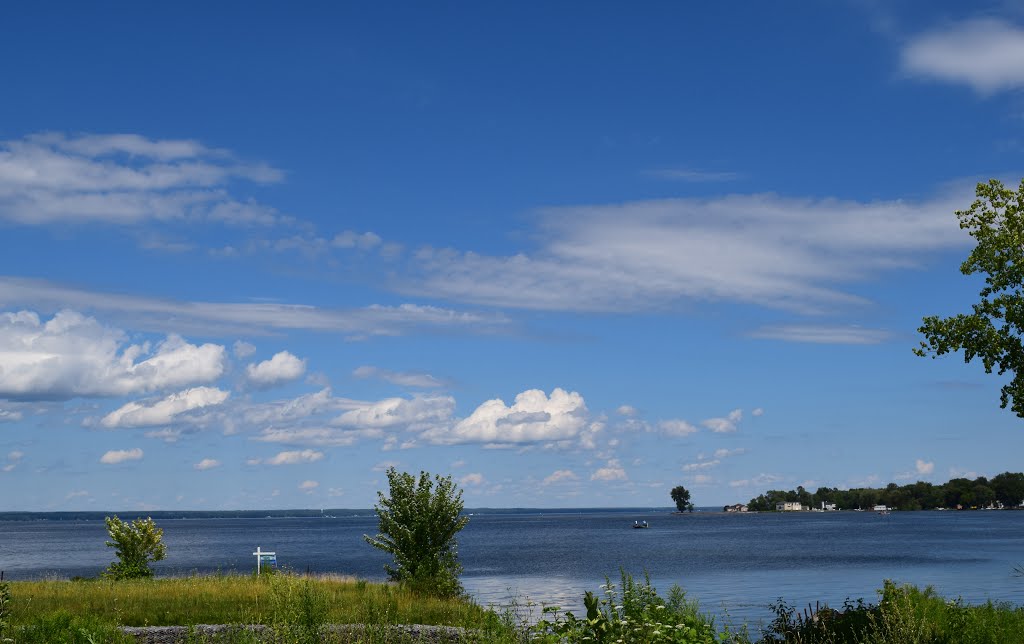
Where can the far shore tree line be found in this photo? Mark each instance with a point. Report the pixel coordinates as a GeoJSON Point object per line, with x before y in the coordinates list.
{"type": "Point", "coordinates": [1002, 490]}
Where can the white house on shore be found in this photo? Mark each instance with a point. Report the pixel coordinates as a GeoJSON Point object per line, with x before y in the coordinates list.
{"type": "Point", "coordinates": [790, 506]}
{"type": "Point", "coordinates": [739, 507]}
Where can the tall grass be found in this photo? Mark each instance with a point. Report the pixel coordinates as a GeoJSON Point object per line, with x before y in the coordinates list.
{"type": "Point", "coordinates": [233, 599]}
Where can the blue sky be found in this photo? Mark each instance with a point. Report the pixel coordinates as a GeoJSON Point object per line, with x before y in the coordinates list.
{"type": "Point", "coordinates": [572, 254]}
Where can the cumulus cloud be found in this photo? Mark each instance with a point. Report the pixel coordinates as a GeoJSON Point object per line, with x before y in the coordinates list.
{"type": "Point", "coordinates": [309, 486]}
{"type": "Point", "coordinates": [291, 458]}
{"type": "Point", "coordinates": [124, 179]}
{"type": "Point", "coordinates": [791, 253]}
{"type": "Point", "coordinates": [757, 412]}
{"type": "Point", "coordinates": [921, 468]}
{"type": "Point", "coordinates": [206, 464]}
{"type": "Point", "coordinates": [473, 478]}
{"type": "Point", "coordinates": [628, 411]}
{"type": "Point", "coordinates": [165, 410]}
{"type": "Point", "coordinates": [400, 378]}
{"type": "Point", "coordinates": [73, 355]}
{"type": "Point", "coordinates": [985, 54]}
{"type": "Point", "coordinates": [115, 456]}
{"type": "Point", "coordinates": [612, 471]}
{"type": "Point", "coordinates": [283, 367]}
{"type": "Point", "coordinates": [559, 476]}
{"type": "Point", "coordinates": [676, 427]}
{"type": "Point", "coordinates": [416, 413]}
{"type": "Point", "coordinates": [532, 417]}
{"type": "Point", "coordinates": [725, 425]}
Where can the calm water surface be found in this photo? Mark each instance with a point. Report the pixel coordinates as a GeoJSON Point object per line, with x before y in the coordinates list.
{"type": "Point", "coordinates": [736, 563]}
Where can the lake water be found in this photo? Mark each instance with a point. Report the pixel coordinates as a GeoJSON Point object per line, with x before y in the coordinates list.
{"type": "Point", "coordinates": [739, 563]}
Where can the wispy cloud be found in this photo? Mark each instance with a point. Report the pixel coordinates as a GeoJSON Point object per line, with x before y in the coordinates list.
{"type": "Point", "coordinates": [690, 175]}
{"type": "Point", "coordinates": [821, 334]}
{"type": "Point", "coordinates": [780, 252]}
{"type": "Point", "coordinates": [986, 54]}
{"type": "Point", "coordinates": [400, 378]}
{"type": "Point", "coordinates": [231, 318]}
{"type": "Point", "coordinates": [125, 179]}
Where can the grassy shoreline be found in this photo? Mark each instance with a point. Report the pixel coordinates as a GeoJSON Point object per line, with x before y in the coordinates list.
{"type": "Point", "coordinates": [296, 608]}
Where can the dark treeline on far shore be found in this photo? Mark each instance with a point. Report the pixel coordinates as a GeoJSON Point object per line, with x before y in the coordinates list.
{"type": "Point", "coordinates": [1004, 490]}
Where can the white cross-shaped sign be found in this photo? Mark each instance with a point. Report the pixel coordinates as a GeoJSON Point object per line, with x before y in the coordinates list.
{"type": "Point", "coordinates": [259, 557]}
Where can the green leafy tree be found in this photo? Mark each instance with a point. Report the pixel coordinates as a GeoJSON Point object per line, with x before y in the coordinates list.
{"type": "Point", "coordinates": [1009, 488]}
{"type": "Point", "coordinates": [681, 497]}
{"type": "Point", "coordinates": [417, 524]}
{"type": "Point", "coordinates": [992, 331]}
{"type": "Point", "coordinates": [137, 544]}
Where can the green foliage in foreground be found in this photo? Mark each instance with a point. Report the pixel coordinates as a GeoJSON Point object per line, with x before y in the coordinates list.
{"type": "Point", "coordinates": [633, 612]}
{"type": "Point", "coordinates": [299, 610]}
{"type": "Point", "coordinates": [905, 615]}
{"type": "Point", "coordinates": [417, 524]}
{"type": "Point", "coordinates": [992, 331]}
{"type": "Point", "coordinates": [136, 544]}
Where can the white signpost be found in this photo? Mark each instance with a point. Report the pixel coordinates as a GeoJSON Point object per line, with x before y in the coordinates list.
{"type": "Point", "coordinates": [263, 557]}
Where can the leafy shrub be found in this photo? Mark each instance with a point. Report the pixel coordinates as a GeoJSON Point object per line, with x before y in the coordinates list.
{"type": "Point", "coordinates": [634, 613]}
{"type": "Point", "coordinates": [137, 543]}
{"type": "Point", "coordinates": [417, 524]}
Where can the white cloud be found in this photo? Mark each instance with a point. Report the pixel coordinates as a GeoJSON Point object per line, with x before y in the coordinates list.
{"type": "Point", "coordinates": [123, 179]}
{"type": "Point", "coordinates": [9, 416]}
{"type": "Point", "coordinates": [725, 425]}
{"type": "Point", "coordinates": [242, 349]}
{"type": "Point", "coordinates": [335, 492]}
{"type": "Point", "coordinates": [76, 494]}
{"type": "Point", "coordinates": [726, 453]}
{"type": "Point", "coordinates": [986, 54]}
{"type": "Point", "coordinates": [16, 455]}
{"type": "Point", "coordinates": [309, 486]}
{"type": "Point", "coordinates": [473, 478]}
{"type": "Point", "coordinates": [781, 252]}
{"type": "Point", "coordinates": [283, 367]}
{"type": "Point", "coordinates": [693, 176]}
{"type": "Point", "coordinates": [532, 417]}
{"type": "Point", "coordinates": [760, 480]}
{"type": "Point", "coordinates": [628, 411]}
{"type": "Point", "coordinates": [293, 409]}
{"type": "Point", "coordinates": [559, 476]}
{"type": "Point", "coordinates": [73, 355]}
{"type": "Point", "coordinates": [676, 427]}
{"type": "Point", "coordinates": [350, 239]}
{"type": "Point", "coordinates": [757, 412]}
{"type": "Point", "coordinates": [231, 318]}
{"type": "Point", "coordinates": [416, 413]}
{"type": "Point", "coordinates": [921, 468]}
{"type": "Point", "coordinates": [400, 378]}
{"type": "Point", "coordinates": [206, 464]}
{"type": "Point", "coordinates": [703, 465]}
{"type": "Point", "coordinates": [612, 471]}
{"type": "Point", "coordinates": [701, 479]}
{"type": "Point", "coordinates": [116, 456]}
{"type": "Point", "coordinates": [295, 457]}
{"type": "Point", "coordinates": [817, 334]}
{"type": "Point", "coordinates": [165, 410]}
{"type": "Point", "coordinates": [317, 436]}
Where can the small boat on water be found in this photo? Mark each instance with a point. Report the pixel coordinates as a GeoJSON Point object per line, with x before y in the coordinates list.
{"type": "Point", "coordinates": [640, 524]}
